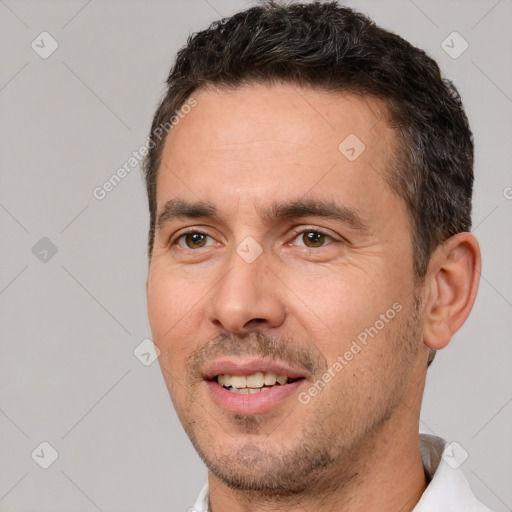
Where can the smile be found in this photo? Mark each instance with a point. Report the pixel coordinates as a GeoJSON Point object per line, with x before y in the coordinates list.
{"type": "Point", "coordinates": [251, 384]}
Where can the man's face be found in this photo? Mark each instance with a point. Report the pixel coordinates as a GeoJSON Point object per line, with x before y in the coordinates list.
{"type": "Point", "coordinates": [266, 288]}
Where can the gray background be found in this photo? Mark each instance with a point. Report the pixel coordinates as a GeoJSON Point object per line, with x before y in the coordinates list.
{"type": "Point", "coordinates": [70, 324]}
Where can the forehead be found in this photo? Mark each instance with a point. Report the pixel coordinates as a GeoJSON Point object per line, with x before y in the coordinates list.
{"type": "Point", "coordinates": [260, 141]}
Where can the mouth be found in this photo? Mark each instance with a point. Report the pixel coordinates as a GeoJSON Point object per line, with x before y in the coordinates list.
{"type": "Point", "coordinates": [251, 386]}
{"type": "Point", "coordinates": [256, 383]}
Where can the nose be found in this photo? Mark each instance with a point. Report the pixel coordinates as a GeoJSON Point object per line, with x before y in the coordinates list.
{"type": "Point", "coordinates": [246, 298]}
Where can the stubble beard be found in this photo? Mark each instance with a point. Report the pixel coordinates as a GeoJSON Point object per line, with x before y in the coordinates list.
{"type": "Point", "coordinates": [326, 450]}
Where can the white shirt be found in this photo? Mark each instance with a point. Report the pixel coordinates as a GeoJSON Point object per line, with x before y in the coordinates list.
{"type": "Point", "coordinates": [447, 491]}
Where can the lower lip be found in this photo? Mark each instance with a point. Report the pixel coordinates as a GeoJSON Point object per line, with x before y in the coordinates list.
{"type": "Point", "coordinates": [255, 403]}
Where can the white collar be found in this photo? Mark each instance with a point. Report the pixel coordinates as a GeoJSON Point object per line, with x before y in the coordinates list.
{"type": "Point", "coordinates": [448, 489]}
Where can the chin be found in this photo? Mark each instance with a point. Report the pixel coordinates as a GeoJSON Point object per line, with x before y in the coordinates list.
{"type": "Point", "coordinates": [267, 471]}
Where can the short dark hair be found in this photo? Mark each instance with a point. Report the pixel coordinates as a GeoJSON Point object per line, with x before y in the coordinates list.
{"type": "Point", "coordinates": [328, 47]}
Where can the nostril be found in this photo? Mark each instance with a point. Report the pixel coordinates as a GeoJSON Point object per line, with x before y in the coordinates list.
{"type": "Point", "coordinates": [254, 321]}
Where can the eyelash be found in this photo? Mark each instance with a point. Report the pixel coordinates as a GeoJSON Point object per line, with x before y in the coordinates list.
{"type": "Point", "coordinates": [295, 235]}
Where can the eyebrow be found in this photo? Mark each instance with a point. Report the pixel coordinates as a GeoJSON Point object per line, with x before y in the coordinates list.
{"type": "Point", "coordinates": [180, 209]}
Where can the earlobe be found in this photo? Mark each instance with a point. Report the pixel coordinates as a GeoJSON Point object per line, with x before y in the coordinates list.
{"type": "Point", "coordinates": [451, 285]}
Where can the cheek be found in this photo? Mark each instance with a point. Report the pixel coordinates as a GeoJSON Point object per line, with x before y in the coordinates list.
{"type": "Point", "coordinates": [172, 306]}
{"type": "Point", "coordinates": [335, 308]}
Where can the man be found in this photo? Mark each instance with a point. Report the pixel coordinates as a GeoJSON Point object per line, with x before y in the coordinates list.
{"type": "Point", "coordinates": [309, 181]}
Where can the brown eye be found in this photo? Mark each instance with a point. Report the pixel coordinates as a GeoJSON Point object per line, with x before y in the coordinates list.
{"type": "Point", "coordinates": [313, 239]}
{"type": "Point", "coordinates": [192, 240]}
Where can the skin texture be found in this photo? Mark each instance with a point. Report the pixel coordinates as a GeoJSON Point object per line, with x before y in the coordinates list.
{"type": "Point", "coordinates": [354, 446]}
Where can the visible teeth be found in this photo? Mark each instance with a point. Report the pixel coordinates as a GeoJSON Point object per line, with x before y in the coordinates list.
{"type": "Point", "coordinates": [224, 380]}
{"type": "Point", "coordinates": [270, 378]}
{"type": "Point", "coordinates": [255, 381]}
{"type": "Point", "coordinates": [247, 391]}
{"type": "Point", "coordinates": [238, 381]}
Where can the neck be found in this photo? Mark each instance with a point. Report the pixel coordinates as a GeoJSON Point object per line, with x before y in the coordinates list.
{"type": "Point", "coordinates": [385, 474]}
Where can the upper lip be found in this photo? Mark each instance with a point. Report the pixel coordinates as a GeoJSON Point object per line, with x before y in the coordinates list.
{"type": "Point", "coordinates": [246, 367]}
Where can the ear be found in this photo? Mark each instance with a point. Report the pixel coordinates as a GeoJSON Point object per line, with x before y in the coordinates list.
{"type": "Point", "coordinates": [451, 285]}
